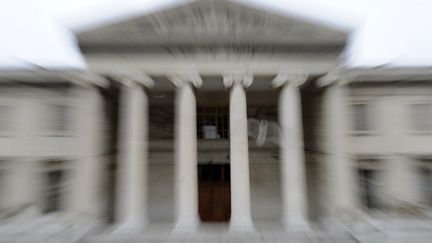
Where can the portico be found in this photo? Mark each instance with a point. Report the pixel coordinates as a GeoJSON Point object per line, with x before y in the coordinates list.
{"type": "Point", "coordinates": [133, 173]}
{"type": "Point", "coordinates": [167, 61]}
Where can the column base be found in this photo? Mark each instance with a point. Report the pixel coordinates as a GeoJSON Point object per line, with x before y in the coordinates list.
{"type": "Point", "coordinates": [131, 226]}
{"type": "Point", "coordinates": [241, 225]}
{"type": "Point", "coordinates": [296, 224]}
{"type": "Point", "coordinates": [186, 225]}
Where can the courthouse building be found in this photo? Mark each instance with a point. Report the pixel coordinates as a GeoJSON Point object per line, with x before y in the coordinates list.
{"type": "Point", "coordinates": [216, 112]}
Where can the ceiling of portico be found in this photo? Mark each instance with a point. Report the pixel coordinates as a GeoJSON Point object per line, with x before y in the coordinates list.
{"type": "Point", "coordinates": [212, 23]}
{"type": "Point", "coordinates": [213, 93]}
{"type": "Point", "coordinates": [213, 83]}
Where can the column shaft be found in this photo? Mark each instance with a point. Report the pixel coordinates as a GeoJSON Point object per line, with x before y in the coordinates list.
{"type": "Point", "coordinates": [239, 161]}
{"type": "Point", "coordinates": [133, 160]}
{"type": "Point", "coordinates": [294, 198]}
{"type": "Point", "coordinates": [86, 194]}
{"type": "Point", "coordinates": [340, 177]}
{"type": "Point", "coordinates": [186, 181]}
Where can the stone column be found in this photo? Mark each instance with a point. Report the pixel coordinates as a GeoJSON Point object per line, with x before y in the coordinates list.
{"type": "Point", "coordinates": [292, 161]}
{"type": "Point", "coordinates": [186, 175]}
{"type": "Point", "coordinates": [133, 158]}
{"type": "Point", "coordinates": [340, 178]}
{"type": "Point", "coordinates": [86, 196]}
{"type": "Point", "coordinates": [241, 219]}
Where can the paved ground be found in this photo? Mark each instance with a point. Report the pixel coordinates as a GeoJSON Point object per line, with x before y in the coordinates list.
{"type": "Point", "coordinates": [61, 229]}
{"type": "Point", "coordinates": [44, 229]}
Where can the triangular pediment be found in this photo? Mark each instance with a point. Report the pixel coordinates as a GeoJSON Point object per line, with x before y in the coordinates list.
{"type": "Point", "coordinates": [212, 22]}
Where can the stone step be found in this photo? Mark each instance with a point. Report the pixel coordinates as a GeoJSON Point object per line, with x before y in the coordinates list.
{"type": "Point", "coordinates": [226, 238]}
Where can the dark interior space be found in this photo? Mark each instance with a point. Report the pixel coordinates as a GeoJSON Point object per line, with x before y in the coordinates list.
{"type": "Point", "coordinates": [214, 192]}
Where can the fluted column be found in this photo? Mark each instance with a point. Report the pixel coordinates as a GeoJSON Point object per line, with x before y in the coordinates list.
{"type": "Point", "coordinates": [241, 219]}
{"type": "Point", "coordinates": [133, 157]}
{"type": "Point", "coordinates": [292, 161]}
{"type": "Point", "coordinates": [186, 175]}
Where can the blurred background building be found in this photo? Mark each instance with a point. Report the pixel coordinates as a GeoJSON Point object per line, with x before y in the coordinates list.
{"type": "Point", "coordinates": [213, 118]}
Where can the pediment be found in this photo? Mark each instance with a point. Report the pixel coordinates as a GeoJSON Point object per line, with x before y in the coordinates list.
{"type": "Point", "coordinates": [213, 22]}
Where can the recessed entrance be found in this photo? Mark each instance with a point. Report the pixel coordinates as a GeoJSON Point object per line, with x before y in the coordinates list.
{"type": "Point", "coordinates": [214, 192]}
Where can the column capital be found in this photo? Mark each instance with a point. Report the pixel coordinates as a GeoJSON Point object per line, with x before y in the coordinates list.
{"type": "Point", "coordinates": [180, 79]}
{"type": "Point", "coordinates": [130, 78]}
{"type": "Point", "coordinates": [85, 79]}
{"type": "Point", "coordinates": [334, 78]}
{"type": "Point", "coordinates": [285, 78]}
{"type": "Point", "coordinates": [246, 79]}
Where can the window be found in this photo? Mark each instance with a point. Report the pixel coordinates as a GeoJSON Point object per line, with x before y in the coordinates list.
{"type": "Point", "coordinates": [369, 188]}
{"type": "Point", "coordinates": [54, 178]}
{"type": "Point", "coordinates": [421, 117]}
{"type": "Point", "coordinates": [5, 122]}
{"type": "Point", "coordinates": [57, 119]}
{"type": "Point", "coordinates": [3, 173]}
{"type": "Point", "coordinates": [425, 171]}
{"type": "Point", "coordinates": [370, 181]}
{"type": "Point", "coordinates": [360, 116]}
{"type": "Point", "coordinates": [212, 123]}
{"type": "Point", "coordinates": [52, 195]}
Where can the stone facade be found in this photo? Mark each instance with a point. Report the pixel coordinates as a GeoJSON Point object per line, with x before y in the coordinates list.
{"type": "Point", "coordinates": [311, 146]}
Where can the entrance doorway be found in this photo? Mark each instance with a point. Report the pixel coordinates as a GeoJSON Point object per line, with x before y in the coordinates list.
{"type": "Point", "coordinates": [214, 192]}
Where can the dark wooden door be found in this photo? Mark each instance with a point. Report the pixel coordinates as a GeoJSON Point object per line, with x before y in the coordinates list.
{"type": "Point", "coordinates": [214, 192]}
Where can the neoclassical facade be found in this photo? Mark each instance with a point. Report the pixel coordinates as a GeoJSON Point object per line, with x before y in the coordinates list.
{"type": "Point", "coordinates": [213, 111]}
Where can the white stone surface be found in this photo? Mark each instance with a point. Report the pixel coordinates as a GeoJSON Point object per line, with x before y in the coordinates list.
{"type": "Point", "coordinates": [86, 195]}
{"type": "Point", "coordinates": [340, 194]}
{"type": "Point", "coordinates": [239, 160]}
{"type": "Point", "coordinates": [133, 164]}
{"type": "Point", "coordinates": [186, 181]}
{"type": "Point", "coordinates": [292, 161]}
